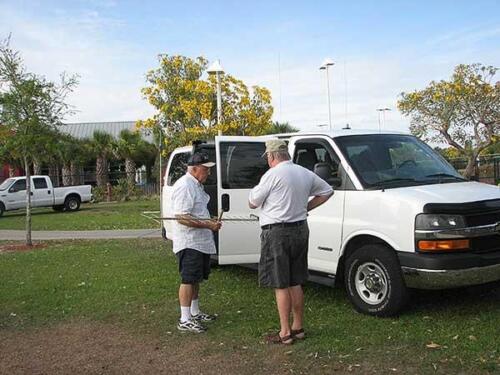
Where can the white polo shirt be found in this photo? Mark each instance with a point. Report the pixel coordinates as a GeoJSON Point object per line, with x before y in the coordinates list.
{"type": "Point", "coordinates": [283, 193]}
{"type": "Point", "coordinates": [189, 197]}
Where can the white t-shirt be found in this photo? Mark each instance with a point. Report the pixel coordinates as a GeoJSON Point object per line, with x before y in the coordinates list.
{"type": "Point", "coordinates": [283, 193]}
{"type": "Point", "coordinates": [188, 197]}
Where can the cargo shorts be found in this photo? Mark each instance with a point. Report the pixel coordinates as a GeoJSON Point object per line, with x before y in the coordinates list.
{"type": "Point", "coordinates": [283, 259]}
{"type": "Point", "coordinates": [194, 266]}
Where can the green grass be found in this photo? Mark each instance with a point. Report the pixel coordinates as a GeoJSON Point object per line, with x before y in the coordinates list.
{"type": "Point", "coordinates": [91, 216]}
{"type": "Point", "coordinates": [134, 283]}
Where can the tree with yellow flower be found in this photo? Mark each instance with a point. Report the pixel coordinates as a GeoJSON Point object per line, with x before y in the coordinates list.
{"type": "Point", "coordinates": [185, 99]}
{"type": "Point", "coordinates": [463, 112]}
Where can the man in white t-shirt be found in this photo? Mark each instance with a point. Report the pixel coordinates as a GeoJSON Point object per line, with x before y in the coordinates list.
{"type": "Point", "coordinates": [283, 196]}
{"type": "Point", "coordinates": [193, 240]}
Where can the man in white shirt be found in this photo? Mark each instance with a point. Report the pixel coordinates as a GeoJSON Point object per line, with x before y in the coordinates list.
{"type": "Point", "coordinates": [193, 240]}
{"type": "Point", "coordinates": [283, 196]}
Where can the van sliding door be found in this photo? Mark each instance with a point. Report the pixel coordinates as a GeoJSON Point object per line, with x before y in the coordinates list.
{"type": "Point", "coordinates": [239, 168]}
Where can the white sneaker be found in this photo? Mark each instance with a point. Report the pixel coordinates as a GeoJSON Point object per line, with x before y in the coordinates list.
{"type": "Point", "coordinates": [191, 326]}
{"type": "Point", "coordinates": [202, 317]}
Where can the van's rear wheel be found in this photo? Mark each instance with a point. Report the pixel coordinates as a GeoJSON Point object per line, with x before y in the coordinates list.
{"type": "Point", "coordinates": [72, 203]}
{"type": "Point", "coordinates": [374, 281]}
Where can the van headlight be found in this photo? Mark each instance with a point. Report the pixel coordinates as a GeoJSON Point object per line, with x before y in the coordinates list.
{"type": "Point", "coordinates": [439, 221]}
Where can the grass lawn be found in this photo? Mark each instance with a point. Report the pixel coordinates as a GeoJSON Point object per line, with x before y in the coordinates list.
{"type": "Point", "coordinates": [134, 284]}
{"type": "Point", "coordinates": [91, 216]}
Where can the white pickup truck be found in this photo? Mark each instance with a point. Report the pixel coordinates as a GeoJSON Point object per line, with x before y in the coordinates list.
{"type": "Point", "coordinates": [401, 216]}
{"type": "Point", "coordinates": [43, 194]}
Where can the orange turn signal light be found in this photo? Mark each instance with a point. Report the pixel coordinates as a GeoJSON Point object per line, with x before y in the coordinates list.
{"type": "Point", "coordinates": [443, 245]}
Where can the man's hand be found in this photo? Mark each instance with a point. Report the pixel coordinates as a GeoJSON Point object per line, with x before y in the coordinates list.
{"type": "Point", "coordinates": [214, 225]}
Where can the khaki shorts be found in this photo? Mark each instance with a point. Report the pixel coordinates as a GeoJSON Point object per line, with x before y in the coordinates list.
{"type": "Point", "coordinates": [283, 259]}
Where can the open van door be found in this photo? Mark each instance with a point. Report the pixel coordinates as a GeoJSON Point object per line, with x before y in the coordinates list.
{"type": "Point", "coordinates": [239, 168]}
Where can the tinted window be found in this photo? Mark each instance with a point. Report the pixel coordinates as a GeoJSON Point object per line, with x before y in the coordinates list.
{"type": "Point", "coordinates": [318, 157]}
{"type": "Point", "coordinates": [242, 164]}
{"type": "Point", "coordinates": [19, 185]}
{"type": "Point", "coordinates": [178, 167]}
{"type": "Point", "coordinates": [40, 183]}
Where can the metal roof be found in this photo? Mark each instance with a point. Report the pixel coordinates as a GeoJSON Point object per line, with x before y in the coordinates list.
{"type": "Point", "coordinates": [82, 130]}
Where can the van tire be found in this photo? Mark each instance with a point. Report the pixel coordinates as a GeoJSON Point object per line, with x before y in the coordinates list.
{"type": "Point", "coordinates": [374, 281]}
{"type": "Point", "coordinates": [2, 208]}
{"type": "Point", "coordinates": [72, 203]}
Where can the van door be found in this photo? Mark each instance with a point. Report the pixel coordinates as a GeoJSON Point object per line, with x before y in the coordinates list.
{"type": "Point", "coordinates": [239, 168]}
{"type": "Point", "coordinates": [325, 222]}
{"type": "Point", "coordinates": [176, 168]}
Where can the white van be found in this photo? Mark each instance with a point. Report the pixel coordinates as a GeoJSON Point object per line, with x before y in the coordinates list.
{"type": "Point", "coordinates": [401, 216]}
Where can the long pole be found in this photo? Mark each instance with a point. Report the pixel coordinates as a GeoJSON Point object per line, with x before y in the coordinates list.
{"type": "Point", "coordinates": [161, 198]}
{"type": "Point", "coordinates": [328, 91]}
{"type": "Point", "coordinates": [219, 104]}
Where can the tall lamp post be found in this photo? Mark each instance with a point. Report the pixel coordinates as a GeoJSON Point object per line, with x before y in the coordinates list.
{"type": "Point", "coordinates": [383, 110]}
{"type": "Point", "coordinates": [326, 64]}
{"type": "Point", "coordinates": [216, 68]}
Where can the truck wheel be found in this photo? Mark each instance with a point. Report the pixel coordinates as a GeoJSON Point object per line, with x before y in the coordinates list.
{"type": "Point", "coordinates": [374, 282]}
{"type": "Point", "coordinates": [58, 208]}
{"type": "Point", "coordinates": [2, 209]}
{"type": "Point", "coordinates": [72, 203]}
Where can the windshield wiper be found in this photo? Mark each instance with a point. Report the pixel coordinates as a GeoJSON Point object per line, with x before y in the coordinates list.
{"type": "Point", "coordinates": [446, 175]}
{"type": "Point", "coordinates": [393, 180]}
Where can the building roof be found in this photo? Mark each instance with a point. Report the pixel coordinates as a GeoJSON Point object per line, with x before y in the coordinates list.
{"type": "Point", "coordinates": [82, 130]}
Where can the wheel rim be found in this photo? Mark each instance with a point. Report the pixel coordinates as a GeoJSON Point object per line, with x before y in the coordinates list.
{"type": "Point", "coordinates": [371, 283]}
{"type": "Point", "coordinates": [73, 204]}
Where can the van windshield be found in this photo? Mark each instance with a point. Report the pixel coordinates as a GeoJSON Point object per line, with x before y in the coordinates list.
{"type": "Point", "coordinates": [6, 184]}
{"type": "Point", "coordinates": [388, 161]}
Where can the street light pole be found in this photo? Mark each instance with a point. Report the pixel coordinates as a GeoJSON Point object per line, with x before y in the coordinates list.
{"type": "Point", "coordinates": [383, 110]}
{"type": "Point", "coordinates": [326, 64]}
{"type": "Point", "coordinates": [216, 68]}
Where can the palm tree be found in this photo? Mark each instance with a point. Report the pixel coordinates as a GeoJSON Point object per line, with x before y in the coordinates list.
{"type": "Point", "coordinates": [282, 127]}
{"type": "Point", "coordinates": [102, 147]}
{"type": "Point", "coordinates": [128, 147]}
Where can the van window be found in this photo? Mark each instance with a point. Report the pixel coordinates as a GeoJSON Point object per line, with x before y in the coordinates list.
{"type": "Point", "coordinates": [242, 164]}
{"type": "Point", "coordinates": [178, 167]}
{"type": "Point", "coordinates": [40, 183]}
{"type": "Point", "coordinates": [318, 157]}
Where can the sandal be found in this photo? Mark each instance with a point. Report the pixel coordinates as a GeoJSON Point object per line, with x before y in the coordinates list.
{"type": "Point", "coordinates": [275, 338]}
{"type": "Point", "coordinates": [298, 334]}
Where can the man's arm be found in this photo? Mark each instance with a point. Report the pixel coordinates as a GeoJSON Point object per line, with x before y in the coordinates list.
{"type": "Point", "coordinates": [190, 221]}
{"type": "Point", "coordinates": [317, 201]}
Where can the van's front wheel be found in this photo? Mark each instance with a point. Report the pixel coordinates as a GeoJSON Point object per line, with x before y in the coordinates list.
{"type": "Point", "coordinates": [374, 281]}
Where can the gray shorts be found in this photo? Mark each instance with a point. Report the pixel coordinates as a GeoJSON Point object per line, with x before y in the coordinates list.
{"type": "Point", "coordinates": [283, 259]}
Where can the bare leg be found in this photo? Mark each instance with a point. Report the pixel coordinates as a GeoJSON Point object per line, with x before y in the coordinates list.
{"type": "Point", "coordinates": [283, 301]}
{"type": "Point", "coordinates": [186, 292]}
{"type": "Point", "coordinates": [297, 298]}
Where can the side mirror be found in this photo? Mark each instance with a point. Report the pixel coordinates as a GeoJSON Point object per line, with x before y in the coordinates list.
{"type": "Point", "coordinates": [13, 190]}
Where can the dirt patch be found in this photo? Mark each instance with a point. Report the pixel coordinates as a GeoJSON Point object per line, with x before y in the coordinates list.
{"type": "Point", "coordinates": [95, 348]}
{"type": "Point", "coordinates": [9, 248]}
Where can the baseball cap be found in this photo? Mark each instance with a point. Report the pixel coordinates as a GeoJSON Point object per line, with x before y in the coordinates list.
{"type": "Point", "coordinates": [275, 145]}
{"type": "Point", "coordinates": [199, 158]}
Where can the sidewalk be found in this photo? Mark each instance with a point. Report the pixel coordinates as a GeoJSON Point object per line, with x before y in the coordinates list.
{"type": "Point", "coordinates": [20, 235]}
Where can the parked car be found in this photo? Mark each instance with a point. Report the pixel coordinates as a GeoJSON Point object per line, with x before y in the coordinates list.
{"type": "Point", "coordinates": [43, 194]}
{"type": "Point", "coordinates": [401, 216]}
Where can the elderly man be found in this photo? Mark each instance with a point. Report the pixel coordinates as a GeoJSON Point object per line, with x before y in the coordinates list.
{"type": "Point", "coordinates": [193, 240]}
{"type": "Point", "coordinates": [283, 195]}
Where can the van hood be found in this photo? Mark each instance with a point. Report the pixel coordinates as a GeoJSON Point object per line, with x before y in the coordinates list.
{"type": "Point", "coordinates": [458, 192]}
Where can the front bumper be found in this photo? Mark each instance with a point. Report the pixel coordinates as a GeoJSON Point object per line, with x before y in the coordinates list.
{"type": "Point", "coordinates": [442, 271]}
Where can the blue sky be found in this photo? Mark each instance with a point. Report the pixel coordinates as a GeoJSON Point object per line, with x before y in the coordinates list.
{"type": "Point", "coordinates": [381, 48]}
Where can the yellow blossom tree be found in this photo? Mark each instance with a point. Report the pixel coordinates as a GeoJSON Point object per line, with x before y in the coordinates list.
{"type": "Point", "coordinates": [463, 112]}
{"type": "Point", "coordinates": [185, 99]}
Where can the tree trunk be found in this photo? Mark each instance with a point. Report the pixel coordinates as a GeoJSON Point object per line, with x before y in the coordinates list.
{"type": "Point", "coordinates": [37, 167]}
{"type": "Point", "coordinates": [130, 171]}
{"type": "Point", "coordinates": [101, 170]}
{"type": "Point", "coordinates": [66, 175]}
{"type": "Point", "coordinates": [53, 175]}
{"type": "Point", "coordinates": [28, 202]}
{"type": "Point", "coordinates": [471, 169]}
{"type": "Point", "coordinates": [12, 171]}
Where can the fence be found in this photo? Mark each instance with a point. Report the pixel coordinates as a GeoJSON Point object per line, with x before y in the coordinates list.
{"type": "Point", "coordinates": [488, 168]}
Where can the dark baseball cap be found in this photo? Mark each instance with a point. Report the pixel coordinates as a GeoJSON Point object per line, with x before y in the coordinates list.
{"type": "Point", "coordinates": [199, 158]}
